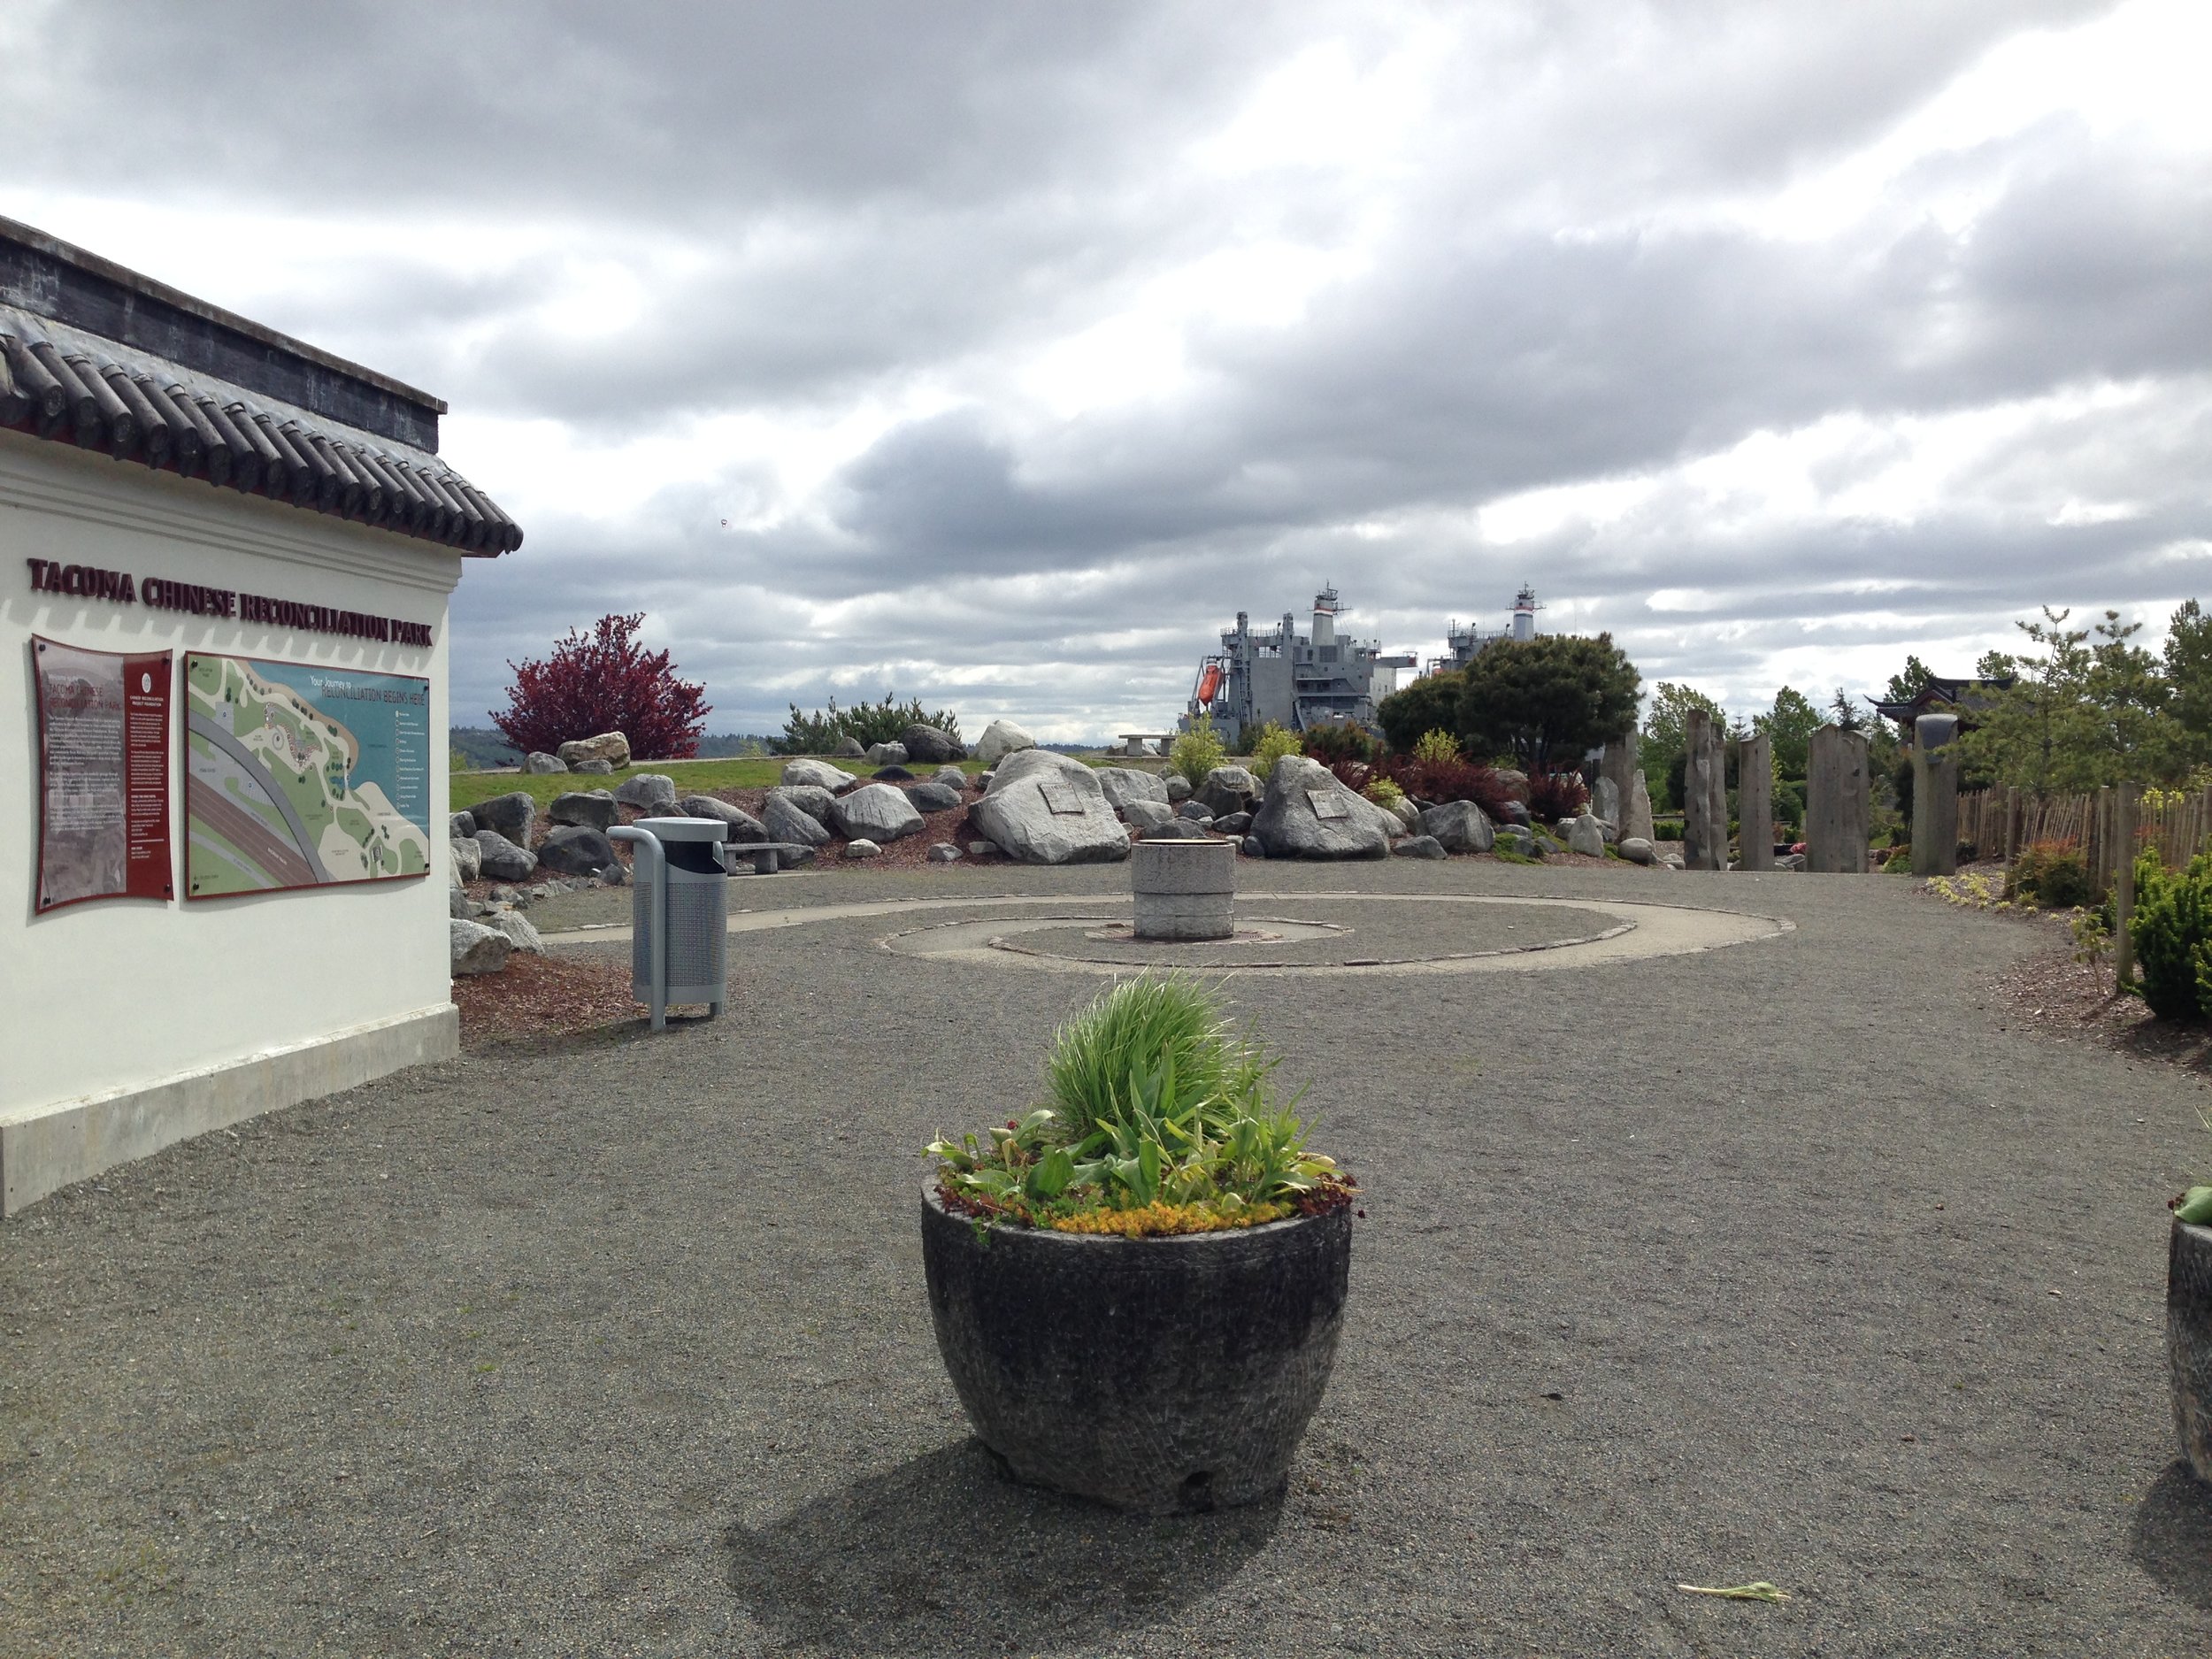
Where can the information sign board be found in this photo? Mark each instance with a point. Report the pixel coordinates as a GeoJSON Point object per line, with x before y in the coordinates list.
{"type": "Point", "coordinates": [103, 774]}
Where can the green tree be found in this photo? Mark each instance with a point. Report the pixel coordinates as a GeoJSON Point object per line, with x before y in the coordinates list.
{"type": "Point", "coordinates": [1548, 700]}
{"type": "Point", "coordinates": [1431, 703]}
{"type": "Point", "coordinates": [1843, 710]}
{"type": "Point", "coordinates": [1790, 726]}
{"type": "Point", "coordinates": [1659, 751]}
{"type": "Point", "coordinates": [2188, 664]}
{"type": "Point", "coordinates": [2079, 715]}
{"type": "Point", "coordinates": [1908, 683]}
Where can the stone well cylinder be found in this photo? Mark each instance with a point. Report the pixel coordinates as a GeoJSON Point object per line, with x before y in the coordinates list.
{"type": "Point", "coordinates": [1184, 889]}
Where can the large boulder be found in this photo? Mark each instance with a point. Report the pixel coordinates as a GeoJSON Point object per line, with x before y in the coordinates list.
{"type": "Point", "coordinates": [499, 859]}
{"type": "Point", "coordinates": [848, 748]}
{"type": "Point", "coordinates": [468, 859]}
{"type": "Point", "coordinates": [594, 808]}
{"type": "Point", "coordinates": [1636, 821]}
{"type": "Point", "coordinates": [875, 812]}
{"type": "Point", "coordinates": [1605, 800]}
{"type": "Point", "coordinates": [1584, 836]}
{"type": "Point", "coordinates": [951, 777]}
{"type": "Point", "coordinates": [1236, 824]}
{"type": "Point", "coordinates": [610, 747]}
{"type": "Point", "coordinates": [513, 816]}
{"type": "Point", "coordinates": [461, 824]}
{"type": "Point", "coordinates": [596, 768]}
{"type": "Point", "coordinates": [543, 764]}
{"type": "Point", "coordinates": [1228, 789]}
{"type": "Point", "coordinates": [1001, 739]}
{"type": "Point", "coordinates": [1409, 816]}
{"type": "Point", "coordinates": [518, 929]}
{"type": "Point", "coordinates": [652, 793]}
{"type": "Point", "coordinates": [1306, 813]}
{"type": "Point", "coordinates": [933, 798]}
{"type": "Point", "coordinates": [1637, 850]}
{"type": "Point", "coordinates": [1420, 847]}
{"type": "Point", "coordinates": [478, 948]}
{"type": "Point", "coordinates": [1178, 789]}
{"type": "Point", "coordinates": [1046, 808]}
{"type": "Point", "coordinates": [744, 828]}
{"type": "Point", "coordinates": [1124, 784]}
{"type": "Point", "coordinates": [577, 849]}
{"type": "Point", "coordinates": [926, 742]}
{"type": "Point", "coordinates": [1516, 783]}
{"type": "Point", "coordinates": [819, 774]}
{"type": "Point", "coordinates": [811, 799]}
{"type": "Point", "coordinates": [1148, 815]}
{"type": "Point", "coordinates": [884, 755]}
{"type": "Point", "coordinates": [1458, 826]}
{"type": "Point", "coordinates": [786, 821]}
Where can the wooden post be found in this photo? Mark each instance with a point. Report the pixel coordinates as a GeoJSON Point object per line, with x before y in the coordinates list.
{"type": "Point", "coordinates": [2124, 801]}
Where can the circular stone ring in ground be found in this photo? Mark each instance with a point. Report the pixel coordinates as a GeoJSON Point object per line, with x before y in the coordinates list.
{"type": "Point", "coordinates": [1364, 933]}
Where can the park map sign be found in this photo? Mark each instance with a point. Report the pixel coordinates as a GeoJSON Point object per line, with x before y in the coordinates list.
{"type": "Point", "coordinates": [302, 775]}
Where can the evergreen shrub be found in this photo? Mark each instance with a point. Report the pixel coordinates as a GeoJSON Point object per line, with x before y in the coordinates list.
{"type": "Point", "coordinates": [2171, 931]}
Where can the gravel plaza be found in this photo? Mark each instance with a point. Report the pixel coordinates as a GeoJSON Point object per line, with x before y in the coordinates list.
{"type": "Point", "coordinates": [1774, 1256]}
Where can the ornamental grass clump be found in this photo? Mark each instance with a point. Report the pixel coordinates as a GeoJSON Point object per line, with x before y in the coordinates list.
{"type": "Point", "coordinates": [1158, 1119]}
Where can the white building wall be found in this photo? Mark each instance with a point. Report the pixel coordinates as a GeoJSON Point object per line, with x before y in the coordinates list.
{"type": "Point", "coordinates": [117, 997]}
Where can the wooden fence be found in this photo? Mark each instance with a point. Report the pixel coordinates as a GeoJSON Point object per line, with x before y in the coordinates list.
{"type": "Point", "coordinates": [2000, 823]}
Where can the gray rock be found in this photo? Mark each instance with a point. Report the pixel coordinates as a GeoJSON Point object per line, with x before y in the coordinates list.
{"type": "Point", "coordinates": [926, 742]}
{"type": "Point", "coordinates": [1671, 860]}
{"type": "Point", "coordinates": [513, 816]}
{"type": "Point", "coordinates": [1178, 789]}
{"type": "Point", "coordinates": [468, 859]}
{"type": "Point", "coordinates": [933, 798]}
{"type": "Point", "coordinates": [1459, 827]}
{"type": "Point", "coordinates": [786, 822]}
{"type": "Point", "coordinates": [459, 903]}
{"type": "Point", "coordinates": [1546, 844]}
{"type": "Point", "coordinates": [595, 768]}
{"type": "Point", "coordinates": [1233, 824]}
{"type": "Point", "coordinates": [1252, 847]}
{"type": "Point", "coordinates": [849, 748]}
{"type": "Point", "coordinates": [1790, 861]}
{"type": "Point", "coordinates": [652, 793]}
{"type": "Point", "coordinates": [615, 876]}
{"type": "Point", "coordinates": [1290, 822]}
{"type": "Point", "coordinates": [593, 808]}
{"type": "Point", "coordinates": [982, 849]}
{"type": "Point", "coordinates": [1585, 837]}
{"type": "Point", "coordinates": [952, 777]}
{"type": "Point", "coordinates": [607, 750]}
{"type": "Point", "coordinates": [576, 850]}
{"type": "Point", "coordinates": [861, 847]}
{"type": "Point", "coordinates": [1001, 739]}
{"type": "Point", "coordinates": [811, 799]}
{"type": "Point", "coordinates": [819, 774]}
{"type": "Point", "coordinates": [1516, 812]}
{"type": "Point", "coordinates": [1197, 811]}
{"type": "Point", "coordinates": [884, 755]}
{"type": "Point", "coordinates": [1420, 847]}
{"type": "Point", "coordinates": [1409, 816]}
{"type": "Point", "coordinates": [543, 764]}
{"type": "Point", "coordinates": [478, 948]}
{"type": "Point", "coordinates": [893, 773]}
{"type": "Point", "coordinates": [501, 896]}
{"type": "Point", "coordinates": [1180, 829]}
{"type": "Point", "coordinates": [1228, 789]}
{"type": "Point", "coordinates": [874, 812]}
{"type": "Point", "coordinates": [463, 826]}
{"type": "Point", "coordinates": [1637, 850]}
{"type": "Point", "coordinates": [501, 860]}
{"type": "Point", "coordinates": [944, 853]}
{"type": "Point", "coordinates": [1638, 819]}
{"type": "Point", "coordinates": [1046, 808]}
{"type": "Point", "coordinates": [1605, 801]}
{"type": "Point", "coordinates": [1124, 784]}
{"type": "Point", "coordinates": [744, 828]}
{"type": "Point", "coordinates": [518, 930]}
{"type": "Point", "coordinates": [1517, 839]}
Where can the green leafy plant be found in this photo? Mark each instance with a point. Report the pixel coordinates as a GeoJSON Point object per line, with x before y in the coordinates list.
{"type": "Point", "coordinates": [1158, 1117]}
{"type": "Point", "coordinates": [1197, 752]}
{"type": "Point", "coordinates": [866, 723]}
{"type": "Point", "coordinates": [1437, 745]}
{"type": "Point", "coordinates": [2052, 873]}
{"type": "Point", "coordinates": [2171, 931]}
{"type": "Point", "coordinates": [1383, 792]}
{"type": "Point", "coordinates": [1274, 742]}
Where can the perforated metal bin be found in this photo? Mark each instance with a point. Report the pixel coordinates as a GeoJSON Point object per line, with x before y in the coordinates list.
{"type": "Point", "coordinates": [680, 913]}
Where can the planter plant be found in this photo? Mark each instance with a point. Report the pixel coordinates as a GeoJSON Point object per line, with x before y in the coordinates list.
{"type": "Point", "coordinates": [2189, 1326]}
{"type": "Point", "coordinates": [1138, 1287]}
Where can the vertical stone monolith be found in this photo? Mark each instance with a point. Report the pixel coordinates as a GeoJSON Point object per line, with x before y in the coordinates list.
{"type": "Point", "coordinates": [1754, 803]}
{"type": "Point", "coordinates": [1618, 766]}
{"type": "Point", "coordinates": [1716, 780]}
{"type": "Point", "coordinates": [1837, 803]}
{"type": "Point", "coordinates": [1698, 831]}
{"type": "Point", "coordinates": [1636, 815]}
{"type": "Point", "coordinates": [1935, 795]}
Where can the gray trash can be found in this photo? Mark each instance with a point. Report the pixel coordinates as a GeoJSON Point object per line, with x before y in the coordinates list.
{"type": "Point", "coordinates": [680, 913]}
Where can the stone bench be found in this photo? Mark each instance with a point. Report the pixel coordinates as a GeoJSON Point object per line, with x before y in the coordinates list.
{"type": "Point", "coordinates": [768, 857]}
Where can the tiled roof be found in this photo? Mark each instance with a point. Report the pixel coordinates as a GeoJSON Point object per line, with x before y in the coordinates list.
{"type": "Point", "coordinates": [71, 386]}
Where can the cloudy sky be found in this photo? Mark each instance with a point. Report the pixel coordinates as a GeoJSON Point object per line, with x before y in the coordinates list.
{"type": "Point", "coordinates": [999, 353]}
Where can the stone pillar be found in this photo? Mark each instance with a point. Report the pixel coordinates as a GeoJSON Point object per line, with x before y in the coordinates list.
{"type": "Point", "coordinates": [1935, 795]}
{"type": "Point", "coordinates": [1754, 803]}
{"type": "Point", "coordinates": [1716, 780]}
{"type": "Point", "coordinates": [1837, 803]}
{"type": "Point", "coordinates": [1619, 767]}
{"type": "Point", "coordinates": [1701, 751]}
{"type": "Point", "coordinates": [1636, 815]}
{"type": "Point", "coordinates": [2125, 802]}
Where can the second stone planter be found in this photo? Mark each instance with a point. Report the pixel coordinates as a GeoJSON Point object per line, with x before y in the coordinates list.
{"type": "Point", "coordinates": [1185, 890]}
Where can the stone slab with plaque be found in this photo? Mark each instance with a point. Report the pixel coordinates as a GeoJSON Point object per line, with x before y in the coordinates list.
{"type": "Point", "coordinates": [1327, 804]}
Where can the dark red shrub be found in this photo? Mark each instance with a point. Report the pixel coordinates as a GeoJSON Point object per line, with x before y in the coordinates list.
{"type": "Point", "coordinates": [1553, 795]}
{"type": "Point", "coordinates": [604, 681]}
{"type": "Point", "coordinates": [1353, 775]}
{"type": "Point", "coordinates": [1449, 780]}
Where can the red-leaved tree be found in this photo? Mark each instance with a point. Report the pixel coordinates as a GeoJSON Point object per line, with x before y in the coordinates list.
{"type": "Point", "coordinates": [604, 681]}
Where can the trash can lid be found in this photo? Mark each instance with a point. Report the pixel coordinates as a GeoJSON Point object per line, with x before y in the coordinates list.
{"type": "Point", "coordinates": [683, 829]}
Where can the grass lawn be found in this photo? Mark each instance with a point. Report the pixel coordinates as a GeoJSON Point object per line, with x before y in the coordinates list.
{"type": "Point", "coordinates": [692, 777]}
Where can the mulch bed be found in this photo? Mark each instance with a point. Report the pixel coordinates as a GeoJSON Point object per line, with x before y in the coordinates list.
{"type": "Point", "coordinates": [543, 997]}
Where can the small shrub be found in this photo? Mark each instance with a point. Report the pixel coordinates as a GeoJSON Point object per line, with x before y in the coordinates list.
{"type": "Point", "coordinates": [1341, 740]}
{"type": "Point", "coordinates": [1353, 775]}
{"type": "Point", "coordinates": [1197, 752]}
{"type": "Point", "coordinates": [1274, 742]}
{"type": "Point", "coordinates": [1436, 746]}
{"type": "Point", "coordinates": [1553, 795]}
{"type": "Point", "coordinates": [866, 723]}
{"type": "Point", "coordinates": [2171, 931]}
{"type": "Point", "coordinates": [1438, 780]}
{"type": "Point", "coordinates": [1899, 862]}
{"type": "Point", "coordinates": [1383, 792]}
{"type": "Point", "coordinates": [2052, 873]}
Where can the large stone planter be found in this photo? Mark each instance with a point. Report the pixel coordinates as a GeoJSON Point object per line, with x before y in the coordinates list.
{"type": "Point", "coordinates": [1151, 1374]}
{"type": "Point", "coordinates": [1184, 890]}
{"type": "Point", "coordinates": [2189, 1340]}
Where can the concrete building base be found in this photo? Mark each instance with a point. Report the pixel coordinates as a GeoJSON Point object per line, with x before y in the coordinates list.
{"type": "Point", "coordinates": [43, 1148]}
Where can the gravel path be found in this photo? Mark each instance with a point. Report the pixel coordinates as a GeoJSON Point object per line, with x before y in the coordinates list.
{"type": "Point", "coordinates": [1784, 1260]}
